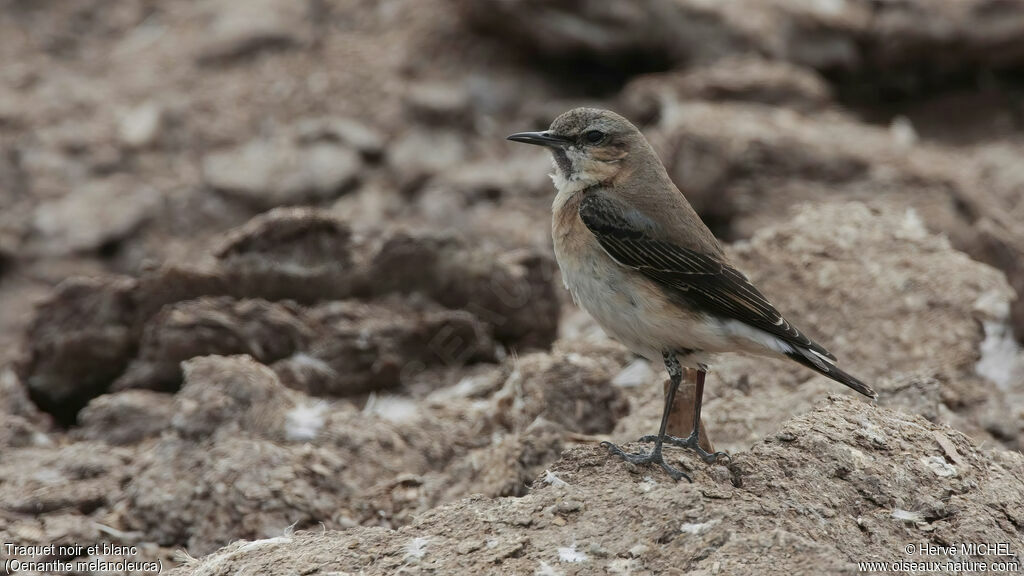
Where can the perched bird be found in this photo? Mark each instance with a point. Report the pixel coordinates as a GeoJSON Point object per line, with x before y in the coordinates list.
{"type": "Point", "coordinates": [636, 256]}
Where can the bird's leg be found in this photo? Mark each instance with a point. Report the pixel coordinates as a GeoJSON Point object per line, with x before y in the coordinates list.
{"type": "Point", "coordinates": [693, 440]}
{"type": "Point", "coordinates": [675, 374]}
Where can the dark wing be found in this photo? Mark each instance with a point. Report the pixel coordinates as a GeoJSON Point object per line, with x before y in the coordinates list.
{"type": "Point", "coordinates": [703, 280]}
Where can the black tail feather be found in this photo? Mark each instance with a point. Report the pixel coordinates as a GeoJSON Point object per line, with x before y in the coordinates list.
{"type": "Point", "coordinates": [812, 361]}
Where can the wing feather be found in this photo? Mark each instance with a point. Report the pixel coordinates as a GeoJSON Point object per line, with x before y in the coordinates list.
{"type": "Point", "coordinates": [703, 280]}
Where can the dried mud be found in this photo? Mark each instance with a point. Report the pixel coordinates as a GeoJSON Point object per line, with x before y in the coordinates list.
{"type": "Point", "coordinates": [277, 297]}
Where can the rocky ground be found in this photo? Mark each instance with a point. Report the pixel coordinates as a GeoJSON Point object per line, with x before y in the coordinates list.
{"type": "Point", "coordinates": [276, 296]}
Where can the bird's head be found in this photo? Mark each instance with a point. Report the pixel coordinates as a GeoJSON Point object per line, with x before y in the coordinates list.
{"type": "Point", "coordinates": [590, 146]}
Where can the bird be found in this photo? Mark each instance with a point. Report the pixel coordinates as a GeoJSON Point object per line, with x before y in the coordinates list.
{"type": "Point", "coordinates": [636, 256]}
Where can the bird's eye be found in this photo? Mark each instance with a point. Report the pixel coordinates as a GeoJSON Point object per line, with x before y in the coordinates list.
{"type": "Point", "coordinates": [593, 136]}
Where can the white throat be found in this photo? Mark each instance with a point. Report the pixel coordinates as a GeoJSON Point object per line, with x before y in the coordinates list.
{"type": "Point", "coordinates": [567, 187]}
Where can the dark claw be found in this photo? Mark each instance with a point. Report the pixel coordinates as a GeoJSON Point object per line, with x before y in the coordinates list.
{"type": "Point", "coordinates": [691, 443]}
{"type": "Point", "coordinates": [655, 457]}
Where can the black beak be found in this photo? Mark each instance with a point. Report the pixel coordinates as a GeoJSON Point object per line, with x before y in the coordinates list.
{"type": "Point", "coordinates": [541, 139]}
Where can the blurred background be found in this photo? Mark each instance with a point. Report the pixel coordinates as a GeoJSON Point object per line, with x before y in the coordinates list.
{"type": "Point", "coordinates": [273, 262]}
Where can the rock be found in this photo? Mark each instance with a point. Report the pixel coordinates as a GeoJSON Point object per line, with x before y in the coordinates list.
{"type": "Point", "coordinates": [925, 273]}
{"type": "Point", "coordinates": [898, 36]}
{"type": "Point", "coordinates": [267, 331]}
{"type": "Point", "coordinates": [716, 152]}
{"type": "Point", "coordinates": [101, 213]}
{"type": "Point", "coordinates": [14, 399]}
{"type": "Point", "coordinates": [417, 314]}
{"type": "Point", "coordinates": [13, 182]}
{"type": "Point", "coordinates": [124, 418]}
{"type": "Point", "coordinates": [743, 78]}
{"type": "Point", "coordinates": [21, 432]}
{"type": "Point", "coordinates": [513, 292]}
{"type": "Point", "coordinates": [288, 253]}
{"type": "Point", "coordinates": [773, 499]}
{"type": "Point", "coordinates": [494, 179]}
{"type": "Point", "coordinates": [418, 154]}
{"type": "Point", "coordinates": [657, 30]}
{"type": "Point", "coordinates": [305, 239]}
{"type": "Point", "coordinates": [140, 126]}
{"type": "Point", "coordinates": [310, 372]}
{"type": "Point", "coordinates": [826, 37]}
{"type": "Point", "coordinates": [263, 458]}
{"type": "Point", "coordinates": [887, 44]}
{"type": "Point", "coordinates": [1000, 244]}
{"type": "Point", "coordinates": [477, 205]}
{"type": "Point", "coordinates": [223, 395]}
{"type": "Point", "coordinates": [236, 31]}
{"type": "Point", "coordinates": [248, 487]}
{"type": "Point", "coordinates": [22, 424]}
{"type": "Point", "coordinates": [365, 348]}
{"type": "Point", "coordinates": [348, 131]}
{"type": "Point", "coordinates": [277, 171]}
{"type": "Point", "coordinates": [81, 338]}
{"type": "Point", "coordinates": [308, 256]}
{"type": "Point", "coordinates": [571, 391]}
{"type": "Point", "coordinates": [508, 465]}
{"type": "Point", "coordinates": [8, 244]}
{"type": "Point", "coordinates": [439, 104]}
{"type": "Point", "coordinates": [11, 111]}
{"type": "Point", "coordinates": [78, 478]}
{"type": "Point", "coordinates": [60, 527]}
{"type": "Point", "coordinates": [76, 136]}
{"type": "Point", "coordinates": [375, 200]}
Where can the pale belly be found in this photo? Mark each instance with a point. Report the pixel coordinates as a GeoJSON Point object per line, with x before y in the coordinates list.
{"type": "Point", "coordinates": [632, 310]}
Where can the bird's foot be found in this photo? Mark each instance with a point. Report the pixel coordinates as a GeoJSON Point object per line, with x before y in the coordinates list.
{"type": "Point", "coordinates": [692, 443]}
{"type": "Point", "coordinates": [654, 457]}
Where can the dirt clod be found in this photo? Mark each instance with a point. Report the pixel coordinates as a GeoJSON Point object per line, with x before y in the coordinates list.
{"type": "Point", "coordinates": [278, 296]}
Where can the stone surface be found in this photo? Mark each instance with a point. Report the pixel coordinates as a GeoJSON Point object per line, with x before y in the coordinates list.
{"type": "Point", "coordinates": [289, 253]}
{"type": "Point", "coordinates": [511, 291]}
{"type": "Point", "coordinates": [365, 348]}
{"type": "Point", "coordinates": [264, 458]}
{"type": "Point", "coordinates": [439, 103]}
{"type": "Point", "coordinates": [236, 30]}
{"type": "Point", "coordinates": [824, 493]}
{"type": "Point", "coordinates": [571, 391]}
{"type": "Point", "coordinates": [125, 418]}
{"type": "Point", "coordinates": [100, 213]}
{"type": "Point", "coordinates": [658, 29]}
{"type": "Point", "coordinates": [746, 78]}
{"type": "Point", "coordinates": [268, 173]}
{"type": "Point", "coordinates": [878, 40]}
{"type": "Point", "coordinates": [140, 126]}
{"type": "Point", "coordinates": [80, 340]}
{"type": "Point", "coordinates": [830, 143]}
{"type": "Point", "coordinates": [349, 131]}
{"type": "Point", "coordinates": [420, 154]}
{"type": "Point", "coordinates": [308, 256]}
{"type": "Point", "coordinates": [268, 331]}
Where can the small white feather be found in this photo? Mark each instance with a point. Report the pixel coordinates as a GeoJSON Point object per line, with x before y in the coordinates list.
{"type": "Point", "coordinates": [416, 549]}
{"type": "Point", "coordinates": [572, 555]}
